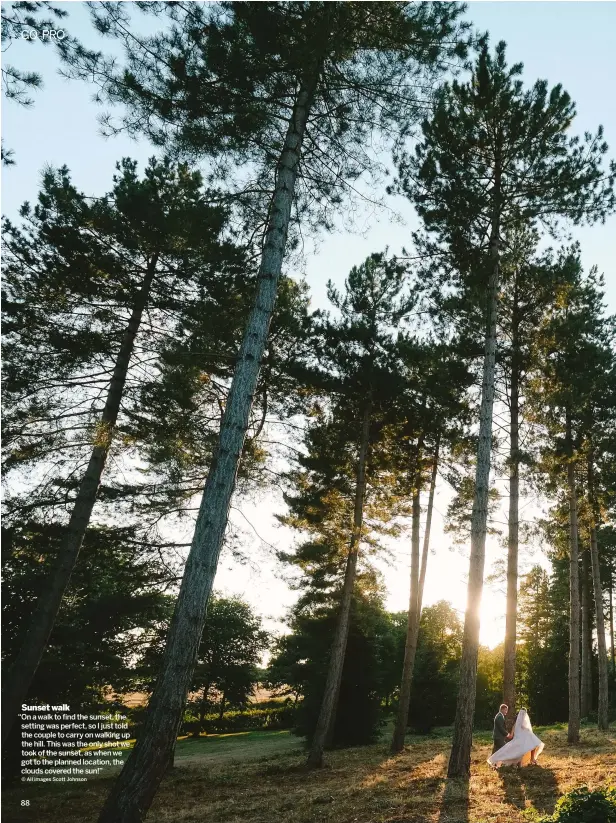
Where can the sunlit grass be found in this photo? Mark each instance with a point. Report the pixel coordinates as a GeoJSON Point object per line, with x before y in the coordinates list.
{"type": "Point", "coordinates": [259, 777]}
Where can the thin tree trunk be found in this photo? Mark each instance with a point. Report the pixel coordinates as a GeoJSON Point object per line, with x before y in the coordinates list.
{"type": "Point", "coordinates": [511, 617]}
{"type": "Point", "coordinates": [412, 626]}
{"type": "Point", "coordinates": [586, 673]}
{"type": "Point", "coordinates": [612, 649]}
{"type": "Point", "coordinates": [22, 671]}
{"type": "Point", "coordinates": [460, 757]}
{"type": "Point", "coordinates": [203, 709]}
{"type": "Point", "coordinates": [134, 790]}
{"type": "Point", "coordinates": [221, 712]}
{"type": "Point", "coordinates": [573, 731]}
{"type": "Point", "coordinates": [426, 542]}
{"type": "Point", "coordinates": [603, 701]}
{"type": "Point", "coordinates": [324, 725]}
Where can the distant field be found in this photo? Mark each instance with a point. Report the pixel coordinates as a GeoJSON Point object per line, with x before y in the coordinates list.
{"type": "Point", "coordinates": [259, 777]}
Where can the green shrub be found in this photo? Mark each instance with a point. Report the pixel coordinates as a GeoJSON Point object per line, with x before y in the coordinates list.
{"type": "Point", "coordinates": [583, 806]}
{"type": "Point", "coordinates": [283, 717]}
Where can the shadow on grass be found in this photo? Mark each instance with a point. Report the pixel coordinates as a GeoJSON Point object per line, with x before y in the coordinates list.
{"type": "Point", "coordinates": [541, 787]}
{"type": "Point", "coordinates": [533, 783]}
{"type": "Point", "coordinates": [455, 803]}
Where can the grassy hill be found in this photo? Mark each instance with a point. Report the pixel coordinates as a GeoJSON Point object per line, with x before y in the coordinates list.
{"type": "Point", "coordinates": [259, 777]}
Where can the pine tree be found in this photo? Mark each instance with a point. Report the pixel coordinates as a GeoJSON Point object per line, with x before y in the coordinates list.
{"type": "Point", "coordinates": [526, 292]}
{"type": "Point", "coordinates": [353, 360]}
{"type": "Point", "coordinates": [576, 355]}
{"type": "Point", "coordinates": [298, 89]}
{"type": "Point", "coordinates": [433, 412]}
{"type": "Point", "coordinates": [81, 277]}
{"type": "Point", "coordinates": [493, 156]}
{"type": "Point", "coordinates": [21, 19]}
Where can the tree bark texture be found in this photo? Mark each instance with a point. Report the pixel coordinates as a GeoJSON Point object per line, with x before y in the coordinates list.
{"type": "Point", "coordinates": [612, 649]}
{"type": "Point", "coordinates": [134, 790]}
{"type": "Point", "coordinates": [412, 626]}
{"type": "Point", "coordinates": [511, 617]}
{"type": "Point", "coordinates": [22, 671]}
{"type": "Point", "coordinates": [603, 697]}
{"type": "Point", "coordinates": [322, 734]}
{"type": "Point", "coordinates": [460, 757]}
{"type": "Point", "coordinates": [586, 672]}
{"type": "Point", "coordinates": [573, 730]}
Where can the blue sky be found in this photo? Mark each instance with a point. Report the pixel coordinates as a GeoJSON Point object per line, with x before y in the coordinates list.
{"type": "Point", "coordinates": [571, 43]}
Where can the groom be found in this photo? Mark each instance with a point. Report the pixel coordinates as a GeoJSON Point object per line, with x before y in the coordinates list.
{"type": "Point", "coordinates": [499, 735]}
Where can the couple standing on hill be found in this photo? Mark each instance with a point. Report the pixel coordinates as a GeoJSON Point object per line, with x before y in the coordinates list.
{"type": "Point", "coordinates": [519, 748]}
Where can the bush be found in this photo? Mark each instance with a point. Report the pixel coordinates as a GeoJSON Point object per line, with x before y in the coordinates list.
{"type": "Point", "coordinates": [283, 717]}
{"type": "Point", "coordinates": [583, 806]}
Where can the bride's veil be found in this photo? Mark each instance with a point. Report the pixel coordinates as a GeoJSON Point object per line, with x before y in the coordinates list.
{"type": "Point", "coordinates": [522, 722]}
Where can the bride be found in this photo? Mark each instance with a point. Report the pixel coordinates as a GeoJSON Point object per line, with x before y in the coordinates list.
{"type": "Point", "coordinates": [524, 746]}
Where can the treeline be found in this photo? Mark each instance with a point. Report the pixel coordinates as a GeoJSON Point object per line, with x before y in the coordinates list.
{"type": "Point", "coordinates": [159, 358]}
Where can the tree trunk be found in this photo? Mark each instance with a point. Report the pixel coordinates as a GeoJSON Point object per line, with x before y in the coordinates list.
{"type": "Point", "coordinates": [573, 731]}
{"type": "Point", "coordinates": [203, 706]}
{"type": "Point", "coordinates": [412, 626]}
{"type": "Point", "coordinates": [336, 661]}
{"type": "Point", "coordinates": [612, 650]}
{"type": "Point", "coordinates": [586, 674]}
{"type": "Point", "coordinates": [603, 701]}
{"type": "Point", "coordinates": [511, 618]}
{"type": "Point", "coordinates": [22, 671]}
{"type": "Point", "coordinates": [426, 542]}
{"type": "Point", "coordinates": [134, 790]}
{"type": "Point", "coordinates": [460, 757]}
{"type": "Point", "coordinates": [221, 712]}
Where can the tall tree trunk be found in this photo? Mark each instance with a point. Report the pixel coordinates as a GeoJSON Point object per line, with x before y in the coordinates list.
{"type": "Point", "coordinates": [586, 673]}
{"type": "Point", "coordinates": [412, 625]}
{"type": "Point", "coordinates": [323, 731]}
{"type": "Point", "coordinates": [460, 757]}
{"type": "Point", "coordinates": [426, 541]}
{"type": "Point", "coordinates": [603, 701]}
{"type": "Point", "coordinates": [511, 617]}
{"type": "Point", "coordinates": [399, 735]}
{"type": "Point", "coordinates": [573, 731]}
{"type": "Point", "coordinates": [221, 711]}
{"type": "Point", "coordinates": [612, 649]}
{"type": "Point", "coordinates": [22, 671]}
{"type": "Point", "coordinates": [134, 790]}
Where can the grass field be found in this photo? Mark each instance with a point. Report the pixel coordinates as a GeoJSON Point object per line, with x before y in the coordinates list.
{"type": "Point", "coordinates": [259, 777]}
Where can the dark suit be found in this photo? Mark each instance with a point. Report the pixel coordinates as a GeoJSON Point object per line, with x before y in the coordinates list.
{"type": "Point", "coordinates": [499, 735]}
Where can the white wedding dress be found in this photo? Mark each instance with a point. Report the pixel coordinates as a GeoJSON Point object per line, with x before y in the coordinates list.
{"type": "Point", "coordinates": [517, 751]}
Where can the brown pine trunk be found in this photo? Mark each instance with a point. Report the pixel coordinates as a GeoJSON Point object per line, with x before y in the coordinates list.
{"type": "Point", "coordinates": [460, 757]}
{"type": "Point", "coordinates": [422, 580]}
{"type": "Point", "coordinates": [412, 626]}
{"type": "Point", "coordinates": [426, 542]}
{"type": "Point", "coordinates": [586, 672]}
{"type": "Point", "coordinates": [573, 730]}
{"type": "Point", "coordinates": [324, 727]}
{"type": "Point", "coordinates": [22, 671]}
{"type": "Point", "coordinates": [603, 699]}
{"type": "Point", "coordinates": [514, 525]}
{"type": "Point", "coordinates": [134, 790]}
{"type": "Point", "coordinates": [203, 706]}
{"type": "Point", "coordinates": [612, 649]}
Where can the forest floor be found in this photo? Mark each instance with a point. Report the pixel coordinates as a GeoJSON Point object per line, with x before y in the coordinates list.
{"type": "Point", "coordinates": [259, 777]}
